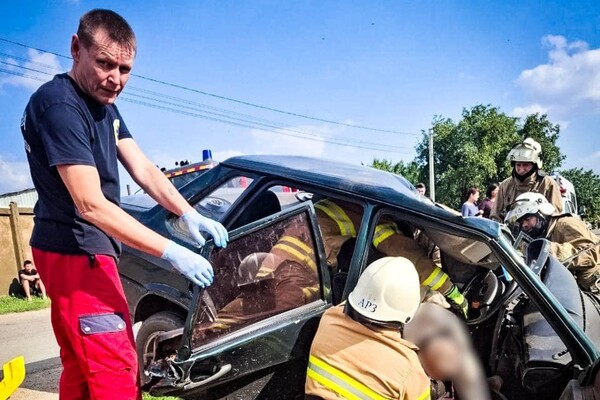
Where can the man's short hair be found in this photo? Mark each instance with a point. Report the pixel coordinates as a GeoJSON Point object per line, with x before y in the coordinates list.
{"type": "Point", "coordinates": [27, 262]}
{"type": "Point", "coordinates": [420, 185]}
{"type": "Point", "coordinates": [112, 23]}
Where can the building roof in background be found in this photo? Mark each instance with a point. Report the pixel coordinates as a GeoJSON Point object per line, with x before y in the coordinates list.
{"type": "Point", "coordinates": [23, 198]}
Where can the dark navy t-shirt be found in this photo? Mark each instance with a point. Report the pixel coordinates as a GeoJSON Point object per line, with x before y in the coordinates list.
{"type": "Point", "coordinates": [61, 125]}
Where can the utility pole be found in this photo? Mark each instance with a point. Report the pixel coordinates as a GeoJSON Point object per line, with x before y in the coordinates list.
{"type": "Point", "coordinates": [431, 180]}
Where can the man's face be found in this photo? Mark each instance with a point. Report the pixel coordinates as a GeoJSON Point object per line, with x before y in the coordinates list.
{"type": "Point", "coordinates": [103, 69]}
{"type": "Point", "coordinates": [528, 222]}
{"type": "Point", "coordinates": [28, 267]}
{"type": "Point", "coordinates": [521, 168]}
{"type": "Point", "coordinates": [421, 191]}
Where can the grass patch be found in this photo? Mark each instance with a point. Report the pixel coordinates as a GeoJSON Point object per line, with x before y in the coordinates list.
{"type": "Point", "coordinates": [146, 396]}
{"type": "Point", "coordinates": [10, 304]}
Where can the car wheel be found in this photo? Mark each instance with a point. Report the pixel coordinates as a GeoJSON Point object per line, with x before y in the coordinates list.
{"type": "Point", "coordinates": [151, 328]}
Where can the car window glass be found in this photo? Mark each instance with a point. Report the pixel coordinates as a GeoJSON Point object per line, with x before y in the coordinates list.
{"type": "Point", "coordinates": [266, 202]}
{"type": "Point", "coordinates": [217, 203]}
{"type": "Point", "coordinates": [259, 275]}
{"type": "Point", "coordinates": [180, 180]}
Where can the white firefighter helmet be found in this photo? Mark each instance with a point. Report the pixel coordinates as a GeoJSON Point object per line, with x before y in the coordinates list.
{"type": "Point", "coordinates": [529, 203]}
{"type": "Point", "coordinates": [249, 271]}
{"type": "Point", "coordinates": [387, 291]}
{"type": "Point", "coordinates": [527, 151]}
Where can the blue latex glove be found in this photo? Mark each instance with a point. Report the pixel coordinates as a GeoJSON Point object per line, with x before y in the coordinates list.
{"type": "Point", "coordinates": [194, 222]}
{"type": "Point", "coordinates": [191, 265]}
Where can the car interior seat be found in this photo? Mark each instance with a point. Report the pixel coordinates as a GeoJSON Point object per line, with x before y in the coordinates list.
{"type": "Point", "coordinates": [265, 204]}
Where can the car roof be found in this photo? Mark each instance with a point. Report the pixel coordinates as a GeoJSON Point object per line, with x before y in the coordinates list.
{"type": "Point", "coordinates": [338, 175]}
{"type": "Point", "coordinates": [367, 182]}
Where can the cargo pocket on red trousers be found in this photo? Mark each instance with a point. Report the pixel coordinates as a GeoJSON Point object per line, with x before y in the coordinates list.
{"type": "Point", "coordinates": [106, 344]}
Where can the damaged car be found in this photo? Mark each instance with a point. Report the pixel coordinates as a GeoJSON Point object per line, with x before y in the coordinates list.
{"type": "Point", "coordinates": [248, 335]}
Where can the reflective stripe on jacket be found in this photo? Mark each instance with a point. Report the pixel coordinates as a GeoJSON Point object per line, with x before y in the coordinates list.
{"type": "Point", "coordinates": [337, 214]}
{"type": "Point", "coordinates": [436, 279]}
{"type": "Point", "coordinates": [338, 382]}
{"type": "Point", "coordinates": [297, 250]}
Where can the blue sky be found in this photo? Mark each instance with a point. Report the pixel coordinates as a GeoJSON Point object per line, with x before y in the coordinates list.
{"type": "Point", "coordinates": [389, 65]}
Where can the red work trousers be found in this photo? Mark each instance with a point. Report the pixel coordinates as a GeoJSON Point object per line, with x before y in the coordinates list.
{"type": "Point", "coordinates": [91, 322]}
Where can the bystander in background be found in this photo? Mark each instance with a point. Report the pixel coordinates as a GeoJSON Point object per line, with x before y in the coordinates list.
{"type": "Point", "coordinates": [31, 281]}
{"type": "Point", "coordinates": [469, 207]}
{"type": "Point", "coordinates": [487, 204]}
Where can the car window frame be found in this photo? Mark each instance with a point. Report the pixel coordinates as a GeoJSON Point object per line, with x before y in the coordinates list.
{"type": "Point", "coordinates": [324, 277]}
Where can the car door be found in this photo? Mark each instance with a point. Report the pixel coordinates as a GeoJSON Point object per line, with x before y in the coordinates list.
{"type": "Point", "coordinates": [248, 335]}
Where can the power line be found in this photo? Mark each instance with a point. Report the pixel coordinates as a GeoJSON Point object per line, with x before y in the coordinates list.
{"type": "Point", "coordinates": [232, 99]}
{"type": "Point", "coordinates": [231, 120]}
{"type": "Point", "coordinates": [261, 125]}
{"type": "Point", "coordinates": [264, 126]}
{"type": "Point", "coordinates": [35, 78]}
{"type": "Point", "coordinates": [384, 148]}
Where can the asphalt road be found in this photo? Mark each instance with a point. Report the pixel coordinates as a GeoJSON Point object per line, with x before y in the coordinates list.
{"type": "Point", "coordinates": [30, 335]}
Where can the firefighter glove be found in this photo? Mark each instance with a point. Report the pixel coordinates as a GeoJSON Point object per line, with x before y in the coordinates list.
{"type": "Point", "coordinates": [191, 265]}
{"type": "Point", "coordinates": [193, 223]}
{"type": "Point", "coordinates": [457, 300]}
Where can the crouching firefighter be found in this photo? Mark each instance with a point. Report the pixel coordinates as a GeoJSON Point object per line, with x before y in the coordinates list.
{"type": "Point", "coordinates": [369, 359]}
{"type": "Point", "coordinates": [365, 348]}
{"type": "Point", "coordinates": [571, 241]}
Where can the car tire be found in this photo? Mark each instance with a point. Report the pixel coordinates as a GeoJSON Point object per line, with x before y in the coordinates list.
{"type": "Point", "coordinates": [156, 324]}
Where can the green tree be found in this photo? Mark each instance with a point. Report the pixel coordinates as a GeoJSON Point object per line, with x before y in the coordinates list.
{"type": "Point", "coordinates": [473, 151]}
{"type": "Point", "coordinates": [587, 189]}
{"type": "Point", "coordinates": [470, 153]}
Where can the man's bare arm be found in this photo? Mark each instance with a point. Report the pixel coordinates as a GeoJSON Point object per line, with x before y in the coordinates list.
{"type": "Point", "coordinates": [83, 184]}
{"type": "Point", "coordinates": [150, 178]}
{"type": "Point", "coordinates": [29, 277]}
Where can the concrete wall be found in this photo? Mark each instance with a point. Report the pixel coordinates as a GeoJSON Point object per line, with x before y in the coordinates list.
{"type": "Point", "coordinates": [16, 224]}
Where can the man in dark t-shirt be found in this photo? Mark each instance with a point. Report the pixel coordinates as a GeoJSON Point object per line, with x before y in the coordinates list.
{"type": "Point", "coordinates": [74, 136]}
{"type": "Point", "coordinates": [30, 279]}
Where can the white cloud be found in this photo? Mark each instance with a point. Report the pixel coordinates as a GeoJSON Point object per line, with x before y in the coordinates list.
{"type": "Point", "coordinates": [15, 176]}
{"type": "Point", "coordinates": [31, 74]}
{"type": "Point", "coordinates": [568, 83]}
{"type": "Point", "coordinates": [521, 112]}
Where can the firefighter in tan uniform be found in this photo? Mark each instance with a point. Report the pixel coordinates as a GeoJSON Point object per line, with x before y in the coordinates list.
{"type": "Point", "coordinates": [526, 177]}
{"type": "Point", "coordinates": [339, 221]}
{"type": "Point", "coordinates": [568, 235]}
{"type": "Point", "coordinates": [284, 278]}
{"type": "Point", "coordinates": [358, 351]}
